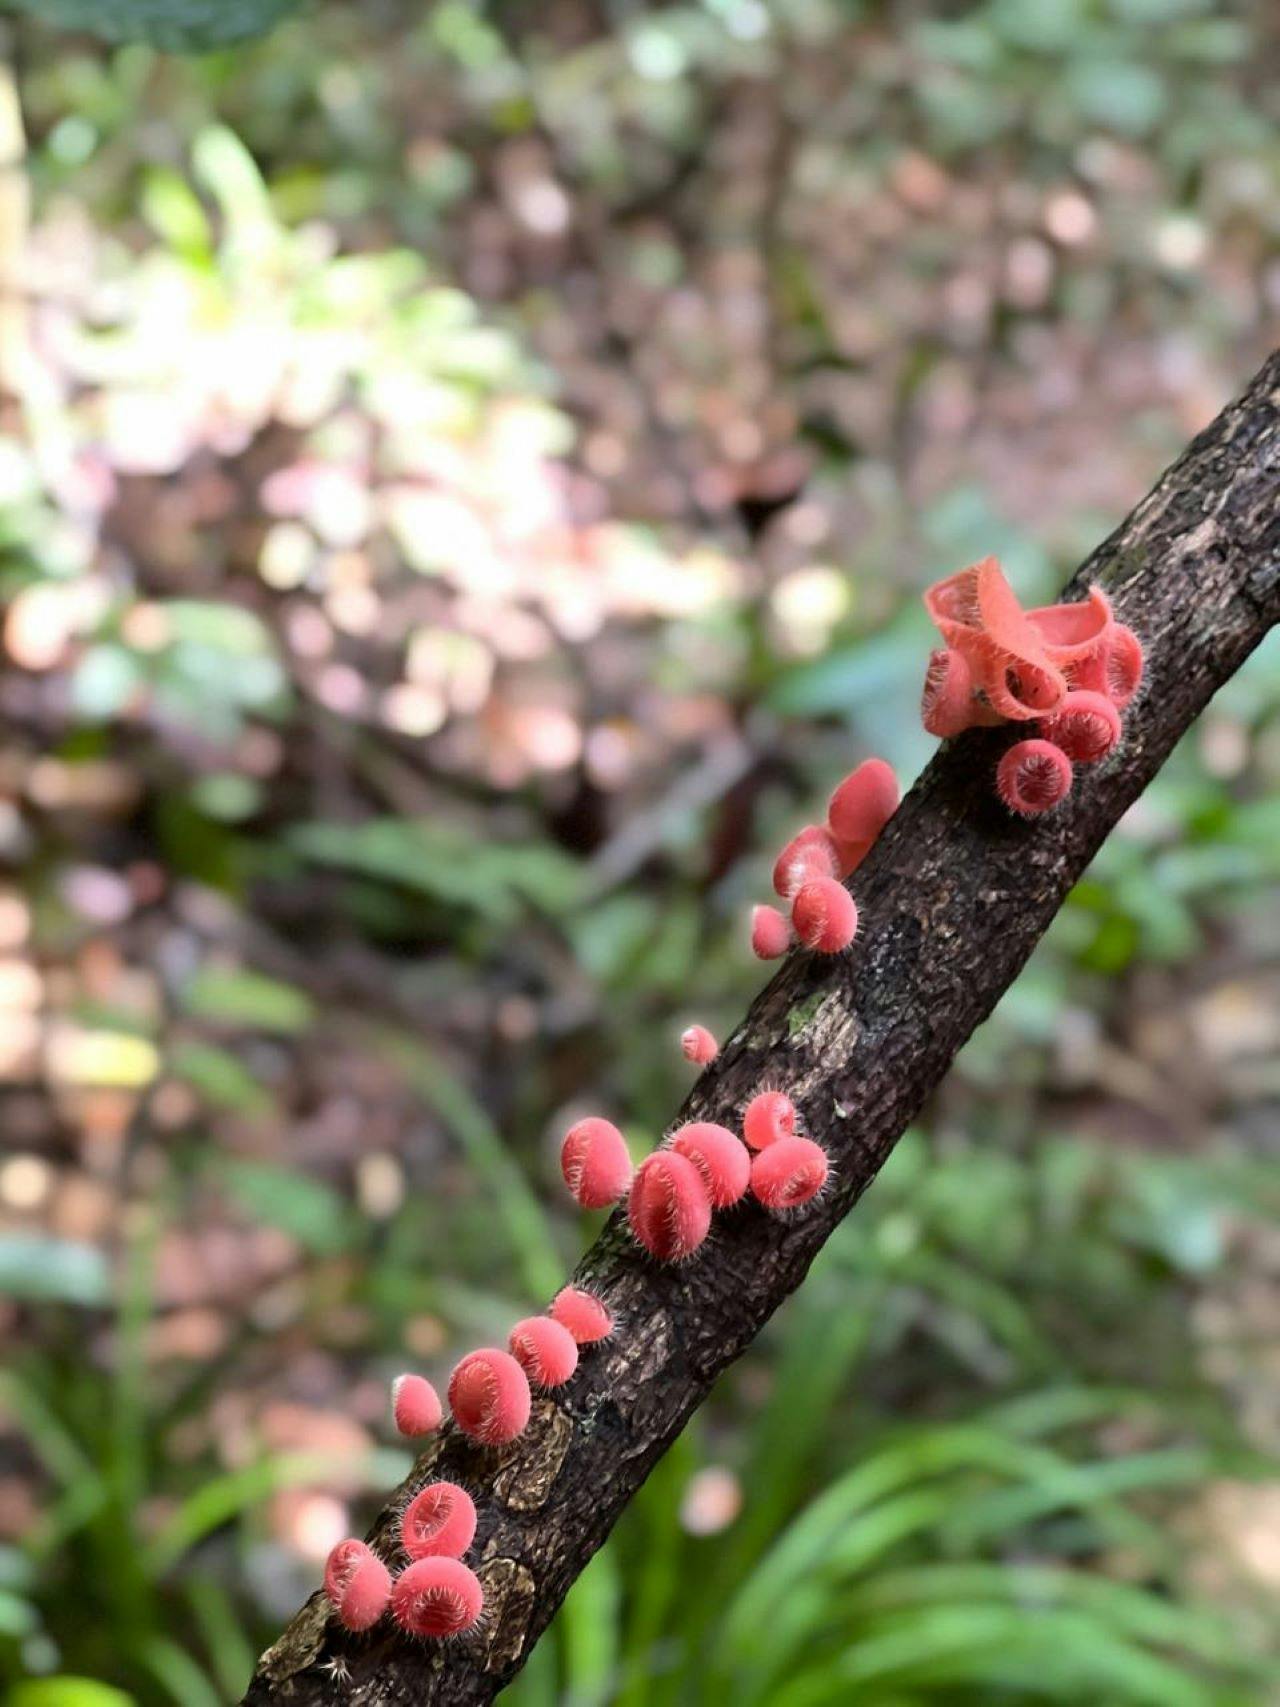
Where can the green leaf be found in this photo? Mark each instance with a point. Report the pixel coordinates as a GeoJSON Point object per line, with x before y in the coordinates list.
{"type": "Point", "coordinates": [103, 682]}
{"type": "Point", "coordinates": [446, 864]}
{"type": "Point", "coordinates": [1129, 97]}
{"type": "Point", "coordinates": [852, 676]}
{"type": "Point", "coordinates": [231, 1654]}
{"type": "Point", "coordinates": [17, 1616]}
{"type": "Point", "coordinates": [1129, 1611]}
{"type": "Point", "coordinates": [590, 1627]}
{"type": "Point", "coordinates": [1050, 26]}
{"type": "Point", "coordinates": [823, 1347]}
{"type": "Point", "coordinates": [66, 1692]}
{"type": "Point", "coordinates": [307, 1209]}
{"type": "Point", "coordinates": [219, 1077]}
{"type": "Point", "coordinates": [173, 211]}
{"type": "Point", "coordinates": [220, 626]}
{"type": "Point", "coordinates": [33, 1266]}
{"type": "Point", "coordinates": [179, 26]}
{"type": "Point", "coordinates": [223, 163]}
{"type": "Point", "coordinates": [226, 796]}
{"type": "Point", "coordinates": [515, 1206]}
{"type": "Point", "coordinates": [48, 1436]}
{"type": "Point", "coordinates": [15, 1568]}
{"type": "Point", "coordinates": [236, 996]}
{"type": "Point", "coordinates": [1069, 1656]}
{"type": "Point", "coordinates": [175, 1671]}
{"type": "Point", "coordinates": [222, 1498]}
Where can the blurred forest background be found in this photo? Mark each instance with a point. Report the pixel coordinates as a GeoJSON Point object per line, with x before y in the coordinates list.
{"type": "Point", "coordinates": [467, 476]}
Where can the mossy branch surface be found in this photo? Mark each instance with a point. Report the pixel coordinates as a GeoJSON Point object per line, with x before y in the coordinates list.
{"type": "Point", "coordinates": [953, 898]}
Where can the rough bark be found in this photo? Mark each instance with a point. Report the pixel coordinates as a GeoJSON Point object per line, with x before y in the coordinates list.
{"type": "Point", "coordinates": [953, 899]}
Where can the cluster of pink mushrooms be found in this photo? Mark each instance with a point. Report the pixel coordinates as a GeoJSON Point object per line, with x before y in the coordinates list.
{"type": "Point", "coordinates": [436, 1594]}
{"type": "Point", "coordinates": [700, 1168]}
{"type": "Point", "coordinates": [1069, 668]}
{"type": "Point", "coordinates": [670, 1199]}
{"type": "Point", "coordinates": [810, 870]}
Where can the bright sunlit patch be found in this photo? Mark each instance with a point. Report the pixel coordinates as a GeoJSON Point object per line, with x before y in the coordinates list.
{"type": "Point", "coordinates": [712, 1500]}
{"type": "Point", "coordinates": [542, 206]}
{"type": "Point", "coordinates": [1069, 218]}
{"type": "Point", "coordinates": [77, 1056]}
{"type": "Point", "coordinates": [19, 1045]}
{"type": "Point", "coordinates": [1181, 242]}
{"type": "Point", "coordinates": [550, 737]}
{"type": "Point", "coordinates": [413, 710]}
{"type": "Point", "coordinates": [457, 664]}
{"type": "Point", "coordinates": [21, 986]}
{"type": "Point", "coordinates": [809, 603]}
{"type": "Point", "coordinates": [147, 627]}
{"type": "Point", "coordinates": [25, 1183]}
{"type": "Point", "coordinates": [380, 1184]}
{"type": "Point", "coordinates": [316, 1523]}
{"type": "Point", "coordinates": [288, 551]}
{"type": "Point", "coordinates": [15, 921]}
{"type": "Point", "coordinates": [39, 625]}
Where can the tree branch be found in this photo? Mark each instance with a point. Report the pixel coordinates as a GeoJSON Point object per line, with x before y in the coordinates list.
{"type": "Point", "coordinates": [953, 898]}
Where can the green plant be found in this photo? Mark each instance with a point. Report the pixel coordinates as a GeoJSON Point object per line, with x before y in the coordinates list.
{"type": "Point", "coordinates": [1000, 1548]}
{"type": "Point", "coordinates": [344, 203]}
{"type": "Point", "coordinates": [184, 26]}
{"type": "Point", "coordinates": [126, 1591]}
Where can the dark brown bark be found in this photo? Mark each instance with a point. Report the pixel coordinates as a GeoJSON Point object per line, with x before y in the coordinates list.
{"type": "Point", "coordinates": [954, 897]}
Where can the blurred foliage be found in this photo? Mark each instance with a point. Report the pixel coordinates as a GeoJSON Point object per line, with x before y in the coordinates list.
{"type": "Point", "coordinates": [941, 1559]}
{"type": "Point", "coordinates": [187, 26]}
{"type": "Point", "coordinates": [466, 479]}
